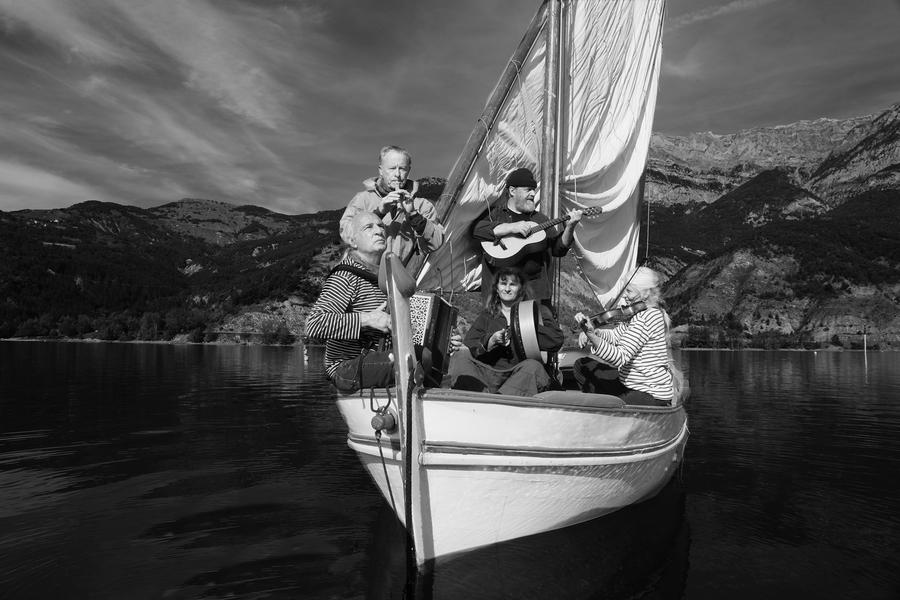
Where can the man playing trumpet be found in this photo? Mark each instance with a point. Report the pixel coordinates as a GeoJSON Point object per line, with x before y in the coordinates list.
{"type": "Point", "coordinates": [410, 223]}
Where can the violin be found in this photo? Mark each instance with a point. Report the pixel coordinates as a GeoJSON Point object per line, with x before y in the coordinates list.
{"type": "Point", "coordinates": [615, 315]}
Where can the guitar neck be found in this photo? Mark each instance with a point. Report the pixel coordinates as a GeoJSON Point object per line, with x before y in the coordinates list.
{"type": "Point", "coordinates": [550, 224]}
{"type": "Point", "coordinates": [563, 219]}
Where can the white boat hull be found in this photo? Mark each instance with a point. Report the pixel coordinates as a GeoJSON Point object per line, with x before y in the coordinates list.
{"type": "Point", "coordinates": [495, 468]}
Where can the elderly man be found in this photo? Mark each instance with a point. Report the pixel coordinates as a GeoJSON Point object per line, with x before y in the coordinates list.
{"type": "Point", "coordinates": [514, 214]}
{"type": "Point", "coordinates": [410, 223]}
{"type": "Point", "coordinates": [350, 312]}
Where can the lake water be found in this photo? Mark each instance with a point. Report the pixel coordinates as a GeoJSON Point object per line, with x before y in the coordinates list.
{"type": "Point", "coordinates": [133, 471]}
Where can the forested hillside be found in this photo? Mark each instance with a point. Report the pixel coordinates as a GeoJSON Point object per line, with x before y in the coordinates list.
{"type": "Point", "coordinates": [778, 237]}
{"type": "Point", "coordinates": [117, 272]}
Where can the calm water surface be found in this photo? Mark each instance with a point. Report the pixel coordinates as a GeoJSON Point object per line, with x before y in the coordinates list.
{"type": "Point", "coordinates": [159, 471]}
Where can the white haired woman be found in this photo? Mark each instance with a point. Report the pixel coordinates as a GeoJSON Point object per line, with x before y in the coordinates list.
{"type": "Point", "coordinates": [638, 349]}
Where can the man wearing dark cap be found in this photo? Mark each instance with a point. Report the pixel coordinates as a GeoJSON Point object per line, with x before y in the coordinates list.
{"type": "Point", "coordinates": [514, 214]}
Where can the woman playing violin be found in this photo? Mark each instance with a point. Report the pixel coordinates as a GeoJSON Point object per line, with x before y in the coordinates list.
{"type": "Point", "coordinates": [491, 365]}
{"type": "Point", "coordinates": [637, 348]}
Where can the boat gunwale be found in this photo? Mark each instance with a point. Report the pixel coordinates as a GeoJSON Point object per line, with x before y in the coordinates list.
{"type": "Point", "coordinates": [463, 396]}
{"type": "Point", "coordinates": [434, 449]}
{"type": "Point", "coordinates": [450, 395]}
{"type": "Point", "coordinates": [487, 449]}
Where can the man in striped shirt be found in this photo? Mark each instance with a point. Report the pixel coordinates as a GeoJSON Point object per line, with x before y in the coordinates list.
{"type": "Point", "coordinates": [350, 312]}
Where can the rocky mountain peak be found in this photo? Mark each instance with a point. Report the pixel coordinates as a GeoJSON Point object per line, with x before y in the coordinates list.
{"type": "Point", "coordinates": [841, 156]}
{"type": "Point", "coordinates": [220, 223]}
{"type": "Point", "coordinates": [868, 159]}
{"type": "Point", "coordinates": [800, 145]}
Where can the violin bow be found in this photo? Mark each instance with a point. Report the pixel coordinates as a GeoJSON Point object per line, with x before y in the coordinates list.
{"type": "Point", "coordinates": [622, 291]}
{"type": "Point", "coordinates": [584, 323]}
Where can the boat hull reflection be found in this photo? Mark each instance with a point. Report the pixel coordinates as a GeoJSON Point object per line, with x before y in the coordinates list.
{"type": "Point", "coordinates": [640, 551]}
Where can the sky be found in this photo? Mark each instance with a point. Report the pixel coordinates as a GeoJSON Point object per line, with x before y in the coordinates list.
{"type": "Point", "coordinates": [285, 103]}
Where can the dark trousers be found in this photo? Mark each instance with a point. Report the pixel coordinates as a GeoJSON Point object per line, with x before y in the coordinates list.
{"type": "Point", "coordinates": [594, 377]}
{"type": "Point", "coordinates": [369, 370]}
{"type": "Point", "coordinates": [526, 378]}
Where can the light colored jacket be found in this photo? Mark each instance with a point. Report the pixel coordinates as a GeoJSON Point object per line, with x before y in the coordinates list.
{"type": "Point", "coordinates": [401, 238]}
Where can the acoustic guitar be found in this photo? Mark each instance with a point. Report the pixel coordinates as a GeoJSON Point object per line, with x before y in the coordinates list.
{"type": "Point", "coordinates": [505, 251]}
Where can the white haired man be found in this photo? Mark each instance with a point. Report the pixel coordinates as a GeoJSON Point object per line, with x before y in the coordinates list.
{"type": "Point", "coordinates": [350, 312]}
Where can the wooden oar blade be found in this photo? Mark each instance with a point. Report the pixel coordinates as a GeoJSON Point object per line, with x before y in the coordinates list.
{"type": "Point", "coordinates": [392, 266]}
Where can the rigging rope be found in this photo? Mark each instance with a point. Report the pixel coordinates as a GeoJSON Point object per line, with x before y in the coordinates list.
{"type": "Point", "coordinates": [387, 479]}
{"type": "Point", "coordinates": [382, 410]}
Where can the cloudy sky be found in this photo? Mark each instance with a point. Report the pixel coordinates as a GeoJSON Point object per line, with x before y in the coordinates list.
{"type": "Point", "coordinates": [284, 103]}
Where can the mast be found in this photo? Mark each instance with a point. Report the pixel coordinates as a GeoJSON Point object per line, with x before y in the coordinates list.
{"type": "Point", "coordinates": [399, 286]}
{"type": "Point", "coordinates": [550, 148]}
{"type": "Point", "coordinates": [642, 202]}
{"type": "Point", "coordinates": [484, 124]}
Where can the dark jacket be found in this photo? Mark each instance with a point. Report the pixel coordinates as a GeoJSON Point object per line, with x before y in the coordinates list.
{"type": "Point", "coordinates": [550, 338]}
{"type": "Point", "coordinates": [536, 264]}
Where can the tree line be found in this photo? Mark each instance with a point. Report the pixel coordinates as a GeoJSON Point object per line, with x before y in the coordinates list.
{"type": "Point", "coordinates": [197, 323]}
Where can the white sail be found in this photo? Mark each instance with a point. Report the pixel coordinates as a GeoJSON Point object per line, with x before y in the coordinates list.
{"type": "Point", "coordinates": [514, 140]}
{"type": "Point", "coordinates": [610, 71]}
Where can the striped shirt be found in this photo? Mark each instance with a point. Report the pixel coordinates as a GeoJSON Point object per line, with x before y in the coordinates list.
{"type": "Point", "coordinates": [335, 315]}
{"type": "Point", "coordinates": [638, 349]}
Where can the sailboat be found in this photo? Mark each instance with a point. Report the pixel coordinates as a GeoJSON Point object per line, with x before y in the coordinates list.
{"type": "Point", "coordinates": [464, 470]}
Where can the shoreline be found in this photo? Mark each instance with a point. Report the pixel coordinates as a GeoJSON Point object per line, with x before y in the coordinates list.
{"type": "Point", "coordinates": [300, 344]}
{"type": "Point", "coordinates": [158, 342]}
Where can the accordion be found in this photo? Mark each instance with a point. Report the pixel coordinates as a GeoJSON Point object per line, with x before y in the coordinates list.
{"type": "Point", "coordinates": [433, 320]}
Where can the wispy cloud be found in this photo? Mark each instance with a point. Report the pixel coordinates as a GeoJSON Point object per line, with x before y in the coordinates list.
{"type": "Point", "coordinates": [284, 104]}
{"type": "Point", "coordinates": [63, 23]}
{"type": "Point", "coordinates": [714, 12]}
{"type": "Point", "coordinates": [215, 53]}
{"type": "Point", "coordinates": [23, 186]}
{"type": "Point", "coordinates": [689, 66]}
{"type": "Point", "coordinates": [762, 62]}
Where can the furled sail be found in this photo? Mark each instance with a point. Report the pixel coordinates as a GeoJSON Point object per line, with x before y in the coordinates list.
{"type": "Point", "coordinates": [609, 68]}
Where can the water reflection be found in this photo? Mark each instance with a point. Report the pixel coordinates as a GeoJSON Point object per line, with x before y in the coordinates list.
{"type": "Point", "coordinates": [788, 474]}
{"type": "Point", "coordinates": [150, 471]}
{"type": "Point", "coordinates": [641, 551]}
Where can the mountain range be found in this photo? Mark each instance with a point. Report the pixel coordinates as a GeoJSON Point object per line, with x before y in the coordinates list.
{"type": "Point", "coordinates": [769, 237]}
{"type": "Point", "coordinates": [784, 232]}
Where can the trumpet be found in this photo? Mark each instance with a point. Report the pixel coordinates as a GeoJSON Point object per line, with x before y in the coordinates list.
{"type": "Point", "coordinates": [404, 195]}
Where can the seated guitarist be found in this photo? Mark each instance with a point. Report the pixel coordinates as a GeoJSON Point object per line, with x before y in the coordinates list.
{"type": "Point", "coordinates": [514, 215]}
